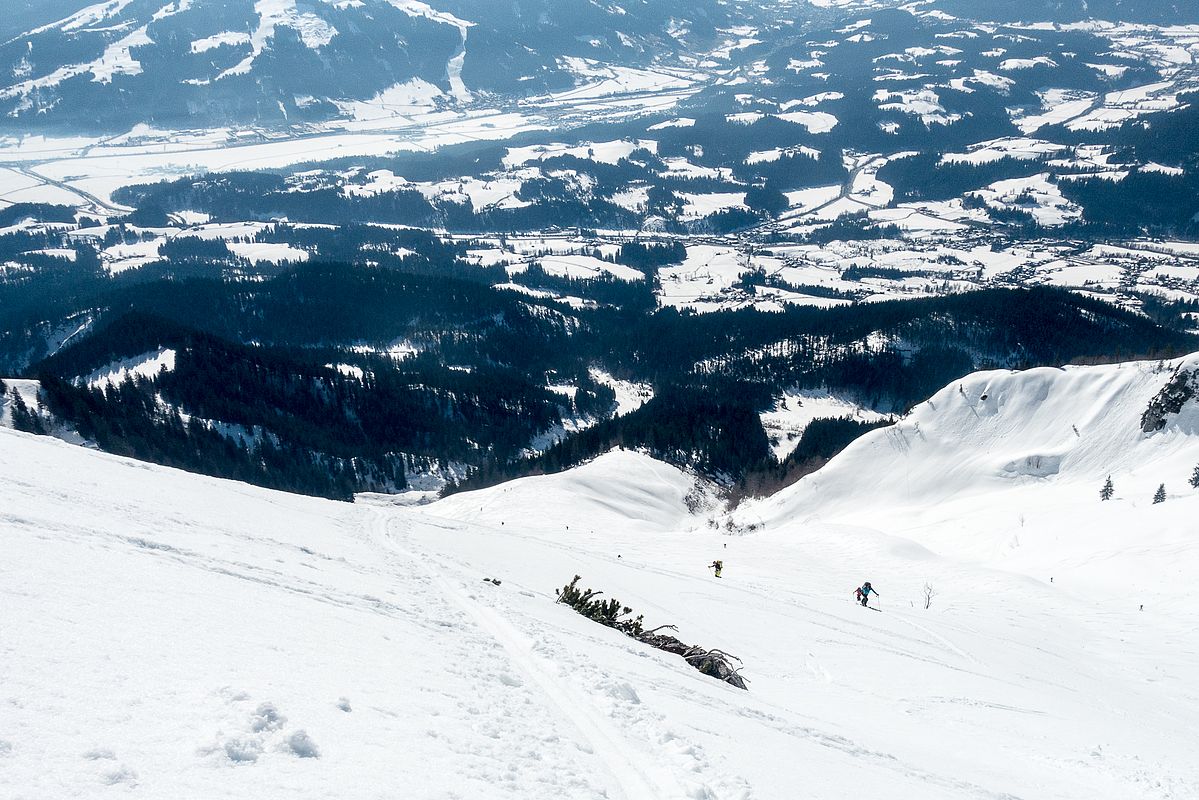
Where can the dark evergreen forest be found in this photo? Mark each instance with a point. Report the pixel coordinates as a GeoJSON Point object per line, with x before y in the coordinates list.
{"type": "Point", "coordinates": [284, 376]}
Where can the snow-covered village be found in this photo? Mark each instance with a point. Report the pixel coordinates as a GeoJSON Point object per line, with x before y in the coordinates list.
{"type": "Point", "coordinates": [544, 399]}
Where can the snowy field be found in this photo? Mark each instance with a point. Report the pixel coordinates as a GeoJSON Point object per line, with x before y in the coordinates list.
{"type": "Point", "coordinates": [168, 635]}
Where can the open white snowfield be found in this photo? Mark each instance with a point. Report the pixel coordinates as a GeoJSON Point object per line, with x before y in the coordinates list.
{"type": "Point", "coordinates": [168, 635]}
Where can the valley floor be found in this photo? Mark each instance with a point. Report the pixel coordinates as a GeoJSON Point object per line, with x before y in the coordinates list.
{"type": "Point", "coordinates": [168, 635]}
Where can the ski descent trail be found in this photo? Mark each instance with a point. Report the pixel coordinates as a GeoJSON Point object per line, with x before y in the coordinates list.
{"type": "Point", "coordinates": [629, 772]}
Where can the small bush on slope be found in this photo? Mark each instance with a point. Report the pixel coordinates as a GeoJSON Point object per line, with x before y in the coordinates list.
{"type": "Point", "coordinates": [611, 613]}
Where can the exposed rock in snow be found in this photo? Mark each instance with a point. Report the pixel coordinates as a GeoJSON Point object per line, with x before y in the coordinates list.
{"type": "Point", "coordinates": [1182, 388]}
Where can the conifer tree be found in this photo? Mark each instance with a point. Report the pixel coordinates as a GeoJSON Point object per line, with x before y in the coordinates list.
{"type": "Point", "coordinates": [1160, 495]}
{"type": "Point", "coordinates": [24, 418]}
{"type": "Point", "coordinates": [1195, 478]}
{"type": "Point", "coordinates": [1106, 492]}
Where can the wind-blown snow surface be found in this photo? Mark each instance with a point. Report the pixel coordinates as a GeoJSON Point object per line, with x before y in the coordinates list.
{"type": "Point", "coordinates": [167, 635]}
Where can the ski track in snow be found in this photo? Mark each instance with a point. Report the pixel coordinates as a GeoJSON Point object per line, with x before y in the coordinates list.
{"type": "Point", "coordinates": [629, 771]}
{"type": "Point", "coordinates": [775, 717]}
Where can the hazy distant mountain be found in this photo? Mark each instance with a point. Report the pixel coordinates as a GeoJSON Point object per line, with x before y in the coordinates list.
{"type": "Point", "coordinates": [23, 15]}
{"type": "Point", "coordinates": [1152, 11]}
{"type": "Point", "coordinates": [194, 63]}
{"type": "Point", "coordinates": [107, 65]}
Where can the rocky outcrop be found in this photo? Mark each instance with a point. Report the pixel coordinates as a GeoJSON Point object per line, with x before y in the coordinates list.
{"type": "Point", "coordinates": [1182, 386]}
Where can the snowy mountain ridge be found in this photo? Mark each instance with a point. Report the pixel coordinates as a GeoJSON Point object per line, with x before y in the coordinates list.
{"type": "Point", "coordinates": [1002, 463]}
{"type": "Point", "coordinates": [188, 63]}
{"type": "Point", "coordinates": [171, 634]}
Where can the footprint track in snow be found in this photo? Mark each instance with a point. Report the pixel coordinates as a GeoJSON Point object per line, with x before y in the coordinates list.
{"type": "Point", "coordinates": [634, 775]}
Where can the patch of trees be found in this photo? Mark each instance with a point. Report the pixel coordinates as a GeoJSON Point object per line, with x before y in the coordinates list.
{"type": "Point", "coordinates": [715, 429]}
{"type": "Point", "coordinates": [760, 277]}
{"type": "Point", "coordinates": [194, 248]}
{"type": "Point", "coordinates": [1015, 328]}
{"type": "Point", "coordinates": [363, 430]}
{"type": "Point", "coordinates": [22, 416]}
{"type": "Point", "coordinates": [820, 441]}
{"type": "Point", "coordinates": [727, 221]}
{"type": "Point", "coordinates": [926, 177]}
{"type": "Point", "coordinates": [41, 212]}
{"type": "Point", "coordinates": [593, 399]}
{"type": "Point", "coordinates": [233, 197]}
{"type": "Point", "coordinates": [1167, 312]}
{"type": "Point", "coordinates": [859, 272]}
{"type": "Point", "coordinates": [1153, 202]}
{"type": "Point", "coordinates": [126, 420]}
{"type": "Point", "coordinates": [452, 161]}
{"type": "Point", "coordinates": [417, 252]}
{"type": "Point", "coordinates": [766, 199]}
{"type": "Point", "coordinates": [239, 196]}
{"type": "Point", "coordinates": [317, 304]}
{"type": "Point", "coordinates": [40, 296]}
{"type": "Point", "coordinates": [1167, 137]}
{"type": "Point", "coordinates": [850, 227]}
{"type": "Point", "coordinates": [114, 338]}
{"type": "Point", "coordinates": [795, 171]}
{"type": "Point", "coordinates": [606, 289]}
{"type": "Point", "coordinates": [551, 213]}
{"type": "Point", "coordinates": [649, 256]}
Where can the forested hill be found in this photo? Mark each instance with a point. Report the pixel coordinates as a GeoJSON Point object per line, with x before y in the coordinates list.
{"type": "Point", "coordinates": [336, 378]}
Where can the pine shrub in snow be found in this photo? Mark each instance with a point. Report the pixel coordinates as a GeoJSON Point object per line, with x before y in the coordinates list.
{"type": "Point", "coordinates": [1160, 495]}
{"type": "Point", "coordinates": [1195, 478]}
{"type": "Point", "coordinates": [605, 612]}
{"type": "Point", "coordinates": [611, 613]}
{"type": "Point", "coordinates": [1106, 492]}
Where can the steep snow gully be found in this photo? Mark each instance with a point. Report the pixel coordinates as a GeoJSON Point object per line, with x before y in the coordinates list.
{"type": "Point", "coordinates": [169, 635]}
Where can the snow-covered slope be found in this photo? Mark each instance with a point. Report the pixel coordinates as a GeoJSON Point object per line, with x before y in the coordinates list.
{"type": "Point", "coordinates": [1005, 468]}
{"type": "Point", "coordinates": [621, 489]}
{"type": "Point", "coordinates": [167, 635]}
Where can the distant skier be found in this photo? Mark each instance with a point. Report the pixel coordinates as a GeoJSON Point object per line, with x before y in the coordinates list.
{"type": "Point", "coordinates": [863, 593]}
{"type": "Point", "coordinates": [717, 565]}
